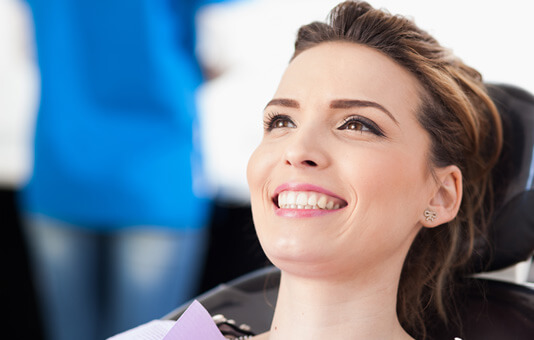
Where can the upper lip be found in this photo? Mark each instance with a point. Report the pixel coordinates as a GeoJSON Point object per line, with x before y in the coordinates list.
{"type": "Point", "coordinates": [296, 186]}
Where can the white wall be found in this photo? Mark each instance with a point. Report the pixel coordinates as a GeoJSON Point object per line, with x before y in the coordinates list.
{"type": "Point", "coordinates": [18, 92]}
{"type": "Point", "coordinates": [495, 37]}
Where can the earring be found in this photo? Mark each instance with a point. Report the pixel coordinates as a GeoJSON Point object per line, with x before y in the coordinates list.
{"type": "Point", "coordinates": [430, 215]}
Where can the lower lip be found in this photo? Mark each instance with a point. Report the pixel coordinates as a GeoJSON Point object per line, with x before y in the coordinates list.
{"type": "Point", "coordinates": [301, 213]}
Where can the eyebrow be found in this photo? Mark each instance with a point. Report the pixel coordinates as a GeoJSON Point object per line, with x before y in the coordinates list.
{"type": "Point", "coordinates": [284, 102]}
{"type": "Point", "coordinates": [350, 103]}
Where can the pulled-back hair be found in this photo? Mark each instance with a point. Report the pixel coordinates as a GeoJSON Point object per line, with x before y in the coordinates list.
{"type": "Point", "coordinates": [465, 130]}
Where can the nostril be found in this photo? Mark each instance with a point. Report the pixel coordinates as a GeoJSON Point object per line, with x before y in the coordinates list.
{"type": "Point", "coordinates": [305, 163]}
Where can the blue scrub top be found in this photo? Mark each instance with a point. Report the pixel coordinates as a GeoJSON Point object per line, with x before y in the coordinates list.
{"type": "Point", "coordinates": [114, 134]}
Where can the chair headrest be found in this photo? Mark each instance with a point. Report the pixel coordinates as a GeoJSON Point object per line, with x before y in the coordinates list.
{"type": "Point", "coordinates": [511, 232]}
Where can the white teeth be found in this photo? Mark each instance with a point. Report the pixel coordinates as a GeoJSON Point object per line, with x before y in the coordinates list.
{"type": "Point", "coordinates": [290, 197]}
{"type": "Point", "coordinates": [302, 199]}
{"type": "Point", "coordinates": [312, 200]}
{"type": "Point", "coordinates": [306, 200]}
{"type": "Point", "coordinates": [322, 202]}
{"type": "Point", "coordinates": [282, 200]}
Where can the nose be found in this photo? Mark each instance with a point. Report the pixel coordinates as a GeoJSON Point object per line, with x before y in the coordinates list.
{"type": "Point", "coordinates": [306, 150]}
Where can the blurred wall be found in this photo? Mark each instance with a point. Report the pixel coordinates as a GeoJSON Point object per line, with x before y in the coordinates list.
{"type": "Point", "coordinates": [18, 92]}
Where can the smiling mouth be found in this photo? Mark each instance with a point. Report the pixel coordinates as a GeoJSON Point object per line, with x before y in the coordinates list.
{"type": "Point", "coordinates": [307, 200]}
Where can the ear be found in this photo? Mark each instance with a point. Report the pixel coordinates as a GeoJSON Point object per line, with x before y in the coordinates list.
{"type": "Point", "coordinates": [446, 200]}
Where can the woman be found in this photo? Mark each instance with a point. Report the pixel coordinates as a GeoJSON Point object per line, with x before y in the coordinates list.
{"type": "Point", "coordinates": [372, 180]}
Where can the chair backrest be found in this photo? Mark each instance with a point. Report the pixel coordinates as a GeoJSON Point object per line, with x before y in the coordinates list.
{"type": "Point", "coordinates": [511, 234]}
{"type": "Point", "coordinates": [492, 310]}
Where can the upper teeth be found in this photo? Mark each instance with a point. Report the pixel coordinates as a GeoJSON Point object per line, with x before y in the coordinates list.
{"type": "Point", "coordinates": [306, 200]}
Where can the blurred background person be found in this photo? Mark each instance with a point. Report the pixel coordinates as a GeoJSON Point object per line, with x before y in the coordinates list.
{"type": "Point", "coordinates": [115, 212]}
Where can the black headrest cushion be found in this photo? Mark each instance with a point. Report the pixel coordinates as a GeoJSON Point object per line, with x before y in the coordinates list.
{"type": "Point", "coordinates": [511, 233]}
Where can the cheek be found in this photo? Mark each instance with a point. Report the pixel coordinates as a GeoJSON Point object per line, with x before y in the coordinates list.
{"type": "Point", "coordinates": [256, 169]}
{"type": "Point", "coordinates": [258, 172]}
{"type": "Point", "coordinates": [392, 189]}
{"type": "Point", "coordinates": [389, 192]}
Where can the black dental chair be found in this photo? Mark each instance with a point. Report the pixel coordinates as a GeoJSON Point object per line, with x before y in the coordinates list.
{"type": "Point", "coordinates": [492, 309]}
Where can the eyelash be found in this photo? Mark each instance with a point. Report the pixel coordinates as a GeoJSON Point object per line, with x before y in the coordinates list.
{"type": "Point", "coordinates": [270, 121]}
{"type": "Point", "coordinates": [273, 117]}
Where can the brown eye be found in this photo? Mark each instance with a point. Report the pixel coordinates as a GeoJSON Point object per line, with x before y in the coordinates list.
{"type": "Point", "coordinates": [282, 123]}
{"type": "Point", "coordinates": [278, 121]}
{"type": "Point", "coordinates": [354, 126]}
{"type": "Point", "coordinates": [361, 124]}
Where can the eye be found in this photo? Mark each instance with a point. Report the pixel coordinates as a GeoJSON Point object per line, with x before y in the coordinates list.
{"type": "Point", "coordinates": [361, 124]}
{"type": "Point", "coordinates": [278, 121]}
{"type": "Point", "coordinates": [355, 125]}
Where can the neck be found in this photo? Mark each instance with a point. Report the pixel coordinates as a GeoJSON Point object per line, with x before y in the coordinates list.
{"type": "Point", "coordinates": [311, 308]}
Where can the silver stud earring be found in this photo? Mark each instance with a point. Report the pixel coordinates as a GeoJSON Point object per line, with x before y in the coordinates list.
{"type": "Point", "coordinates": [430, 215]}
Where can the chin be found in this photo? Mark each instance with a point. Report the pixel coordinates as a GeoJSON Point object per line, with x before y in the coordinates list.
{"type": "Point", "coordinates": [298, 257]}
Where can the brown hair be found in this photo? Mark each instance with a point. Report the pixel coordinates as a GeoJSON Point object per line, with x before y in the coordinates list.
{"type": "Point", "coordinates": [465, 130]}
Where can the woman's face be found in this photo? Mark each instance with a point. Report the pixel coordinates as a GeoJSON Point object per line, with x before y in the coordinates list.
{"type": "Point", "coordinates": [340, 180]}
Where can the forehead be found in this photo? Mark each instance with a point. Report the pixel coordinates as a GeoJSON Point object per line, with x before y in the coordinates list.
{"type": "Point", "coordinates": [336, 70]}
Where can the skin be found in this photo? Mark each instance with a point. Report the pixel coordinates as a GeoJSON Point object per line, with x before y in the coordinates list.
{"type": "Point", "coordinates": [343, 123]}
